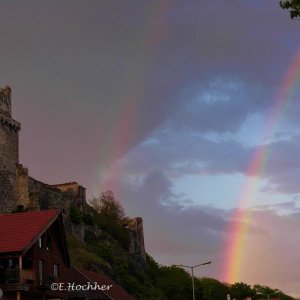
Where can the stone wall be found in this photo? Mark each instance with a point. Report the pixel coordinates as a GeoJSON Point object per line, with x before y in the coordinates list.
{"type": "Point", "coordinates": [136, 231]}
{"type": "Point", "coordinates": [77, 191]}
{"type": "Point", "coordinates": [50, 196]}
{"type": "Point", "coordinates": [7, 191]}
{"type": "Point", "coordinates": [9, 153]}
{"type": "Point", "coordinates": [9, 133]}
{"type": "Point", "coordinates": [22, 187]}
{"type": "Point", "coordinates": [5, 101]}
{"type": "Point", "coordinates": [9, 143]}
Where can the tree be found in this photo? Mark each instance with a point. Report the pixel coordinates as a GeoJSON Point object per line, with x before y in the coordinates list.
{"type": "Point", "coordinates": [175, 283]}
{"type": "Point", "coordinates": [241, 290]}
{"type": "Point", "coordinates": [266, 290]}
{"type": "Point", "coordinates": [110, 217]}
{"type": "Point", "coordinates": [108, 206]}
{"type": "Point", "coordinates": [75, 214]}
{"type": "Point", "coordinates": [293, 6]}
{"type": "Point", "coordinates": [213, 289]}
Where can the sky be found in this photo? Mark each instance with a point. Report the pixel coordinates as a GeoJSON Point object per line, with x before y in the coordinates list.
{"type": "Point", "coordinates": [186, 110]}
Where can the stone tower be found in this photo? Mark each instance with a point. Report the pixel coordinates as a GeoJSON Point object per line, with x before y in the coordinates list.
{"type": "Point", "coordinates": [9, 153]}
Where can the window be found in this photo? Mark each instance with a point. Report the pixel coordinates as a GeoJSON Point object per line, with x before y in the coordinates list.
{"type": "Point", "coordinates": [49, 244]}
{"type": "Point", "coordinates": [41, 271]}
{"type": "Point", "coordinates": [43, 242]}
{"type": "Point", "coordinates": [55, 270]}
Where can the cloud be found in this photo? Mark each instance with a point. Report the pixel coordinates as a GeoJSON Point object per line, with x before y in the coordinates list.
{"type": "Point", "coordinates": [177, 234]}
{"type": "Point", "coordinates": [184, 151]}
{"type": "Point", "coordinates": [283, 165]}
{"type": "Point", "coordinates": [288, 206]}
{"type": "Point", "coordinates": [194, 76]}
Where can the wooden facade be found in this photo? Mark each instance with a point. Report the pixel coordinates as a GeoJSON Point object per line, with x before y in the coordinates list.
{"type": "Point", "coordinates": [29, 273]}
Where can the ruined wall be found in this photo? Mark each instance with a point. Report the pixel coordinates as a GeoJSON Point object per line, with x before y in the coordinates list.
{"type": "Point", "coordinates": [136, 231]}
{"type": "Point", "coordinates": [9, 153]}
{"type": "Point", "coordinates": [9, 134]}
{"type": "Point", "coordinates": [51, 196]}
{"type": "Point", "coordinates": [75, 190]}
{"type": "Point", "coordinates": [5, 101]}
{"type": "Point", "coordinates": [22, 187]}
{"type": "Point", "coordinates": [7, 191]}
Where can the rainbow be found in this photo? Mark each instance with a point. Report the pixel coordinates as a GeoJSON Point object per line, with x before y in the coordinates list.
{"type": "Point", "coordinates": [126, 125]}
{"type": "Point", "coordinates": [241, 218]}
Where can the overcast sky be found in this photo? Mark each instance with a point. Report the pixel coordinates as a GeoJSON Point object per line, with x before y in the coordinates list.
{"type": "Point", "coordinates": [167, 103]}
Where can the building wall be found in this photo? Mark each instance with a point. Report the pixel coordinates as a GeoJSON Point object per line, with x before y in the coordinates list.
{"type": "Point", "coordinates": [9, 133]}
{"type": "Point", "coordinates": [9, 153]}
{"type": "Point", "coordinates": [7, 191]}
{"type": "Point", "coordinates": [76, 191]}
{"type": "Point", "coordinates": [50, 253]}
{"type": "Point", "coordinates": [5, 101]}
{"type": "Point", "coordinates": [22, 187]}
{"type": "Point", "coordinates": [45, 196]}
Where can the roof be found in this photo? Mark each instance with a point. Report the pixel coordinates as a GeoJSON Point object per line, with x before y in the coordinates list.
{"type": "Point", "coordinates": [74, 275]}
{"type": "Point", "coordinates": [116, 292]}
{"type": "Point", "coordinates": [20, 231]}
{"type": "Point", "coordinates": [82, 276]}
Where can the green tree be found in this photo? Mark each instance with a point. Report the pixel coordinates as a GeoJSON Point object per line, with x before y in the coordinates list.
{"type": "Point", "coordinates": [75, 214]}
{"type": "Point", "coordinates": [176, 283]}
{"type": "Point", "coordinates": [241, 290]}
{"type": "Point", "coordinates": [266, 290]}
{"type": "Point", "coordinates": [293, 6]}
{"type": "Point", "coordinates": [107, 205]}
{"type": "Point", "coordinates": [110, 217]}
{"type": "Point", "coordinates": [213, 289]}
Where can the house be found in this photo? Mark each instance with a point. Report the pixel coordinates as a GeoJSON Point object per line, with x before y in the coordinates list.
{"type": "Point", "coordinates": [33, 254]}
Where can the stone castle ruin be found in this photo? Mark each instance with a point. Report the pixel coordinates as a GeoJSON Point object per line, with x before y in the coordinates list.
{"type": "Point", "coordinates": [19, 191]}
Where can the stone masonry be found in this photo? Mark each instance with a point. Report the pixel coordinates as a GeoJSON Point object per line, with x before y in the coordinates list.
{"type": "Point", "coordinates": [9, 152]}
{"type": "Point", "coordinates": [136, 231]}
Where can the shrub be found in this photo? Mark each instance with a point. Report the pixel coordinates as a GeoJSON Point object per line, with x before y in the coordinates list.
{"type": "Point", "coordinates": [75, 214]}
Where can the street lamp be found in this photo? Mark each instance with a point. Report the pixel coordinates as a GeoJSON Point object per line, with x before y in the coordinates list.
{"type": "Point", "coordinates": [192, 271]}
{"type": "Point", "coordinates": [268, 295]}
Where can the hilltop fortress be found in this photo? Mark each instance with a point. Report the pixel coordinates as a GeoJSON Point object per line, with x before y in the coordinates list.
{"type": "Point", "coordinates": [19, 191]}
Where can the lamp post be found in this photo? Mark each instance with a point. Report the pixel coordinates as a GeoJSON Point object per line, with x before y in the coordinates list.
{"type": "Point", "coordinates": [268, 295]}
{"type": "Point", "coordinates": [192, 272]}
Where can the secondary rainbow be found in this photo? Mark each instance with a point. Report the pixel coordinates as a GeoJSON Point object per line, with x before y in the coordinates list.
{"type": "Point", "coordinates": [126, 125]}
{"type": "Point", "coordinates": [241, 218]}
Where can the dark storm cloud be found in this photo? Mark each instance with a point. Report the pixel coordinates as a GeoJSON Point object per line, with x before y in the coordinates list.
{"type": "Point", "coordinates": [220, 105]}
{"type": "Point", "coordinates": [194, 154]}
{"type": "Point", "coordinates": [199, 155]}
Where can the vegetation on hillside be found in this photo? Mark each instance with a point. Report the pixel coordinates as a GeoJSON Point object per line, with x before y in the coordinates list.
{"type": "Point", "coordinates": [107, 252]}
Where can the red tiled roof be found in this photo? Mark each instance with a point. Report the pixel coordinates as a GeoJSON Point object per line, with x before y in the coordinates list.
{"type": "Point", "coordinates": [77, 277]}
{"type": "Point", "coordinates": [116, 292]}
{"type": "Point", "coordinates": [18, 231]}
